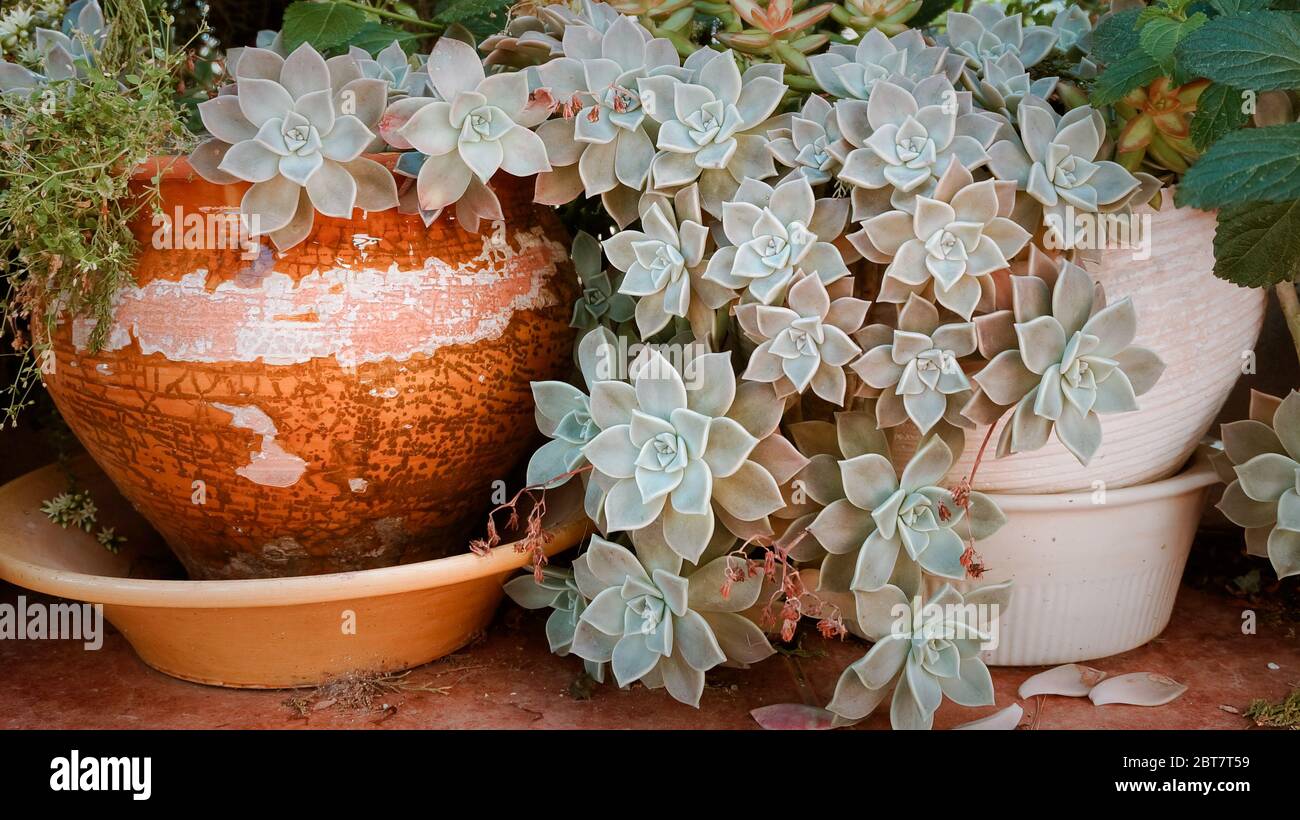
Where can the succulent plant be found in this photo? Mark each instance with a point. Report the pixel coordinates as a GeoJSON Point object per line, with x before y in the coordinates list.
{"type": "Point", "coordinates": [600, 302]}
{"type": "Point", "coordinates": [850, 71]}
{"type": "Point", "coordinates": [283, 130]}
{"type": "Point", "coordinates": [657, 624]}
{"type": "Point", "coordinates": [904, 140]}
{"type": "Point", "coordinates": [1063, 358]}
{"type": "Point", "coordinates": [775, 30]}
{"type": "Point", "coordinates": [776, 232]}
{"type": "Point", "coordinates": [563, 413]}
{"type": "Point", "coordinates": [558, 590]}
{"type": "Point", "coordinates": [55, 53]}
{"type": "Point", "coordinates": [804, 147]}
{"type": "Point", "coordinates": [19, 26]}
{"type": "Point", "coordinates": [477, 126]}
{"type": "Point", "coordinates": [1073, 27]}
{"type": "Point", "coordinates": [1157, 125]}
{"type": "Point", "coordinates": [919, 371]}
{"type": "Point", "coordinates": [1261, 460]}
{"type": "Point", "coordinates": [987, 32]}
{"type": "Point", "coordinates": [1055, 161]}
{"type": "Point", "coordinates": [806, 344]}
{"type": "Point", "coordinates": [603, 145]}
{"type": "Point", "coordinates": [888, 526]}
{"type": "Point", "coordinates": [713, 128]}
{"type": "Point", "coordinates": [674, 454]}
{"type": "Point", "coordinates": [887, 16]}
{"type": "Point", "coordinates": [535, 32]}
{"type": "Point", "coordinates": [1004, 82]}
{"type": "Point", "coordinates": [664, 264]}
{"type": "Point", "coordinates": [924, 650]}
{"type": "Point", "coordinates": [402, 74]}
{"type": "Point", "coordinates": [947, 249]}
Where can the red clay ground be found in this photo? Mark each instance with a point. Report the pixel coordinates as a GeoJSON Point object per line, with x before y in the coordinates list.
{"type": "Point", "coordinates": [510, 680]}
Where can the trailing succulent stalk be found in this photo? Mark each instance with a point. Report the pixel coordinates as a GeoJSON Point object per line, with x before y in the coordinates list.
{"type": "Point", "coordinates": [68, 147]}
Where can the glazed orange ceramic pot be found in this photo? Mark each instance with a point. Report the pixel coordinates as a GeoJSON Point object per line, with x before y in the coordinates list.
{"type": "Point", "coordinates": [345, 405]}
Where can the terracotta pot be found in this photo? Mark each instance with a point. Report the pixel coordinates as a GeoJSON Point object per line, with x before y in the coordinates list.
{"type": "Point", "coordinates": [341, 406]}
{"type": "Point", "coordinates": [1203, 328]}
{"type": "Point", "coordinates": [268, 632]}
{"type": "Point", "coordinates": [1095, 574]}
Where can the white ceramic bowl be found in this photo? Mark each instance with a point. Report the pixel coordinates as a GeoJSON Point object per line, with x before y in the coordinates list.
{"type": "Point", "coordinates": [1094, 574]}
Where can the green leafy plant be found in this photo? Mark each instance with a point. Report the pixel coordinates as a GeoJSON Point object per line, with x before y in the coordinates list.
{"type": "Point", "coordinates": [1185, 80]}
{"type": "Point", "coordinates": [70, 141]}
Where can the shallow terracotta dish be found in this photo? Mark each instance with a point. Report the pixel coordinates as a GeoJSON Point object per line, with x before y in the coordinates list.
{"type": "Point", "coordinates": [260, 633]}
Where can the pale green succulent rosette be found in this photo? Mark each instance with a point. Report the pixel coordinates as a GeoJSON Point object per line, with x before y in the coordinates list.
{"type": "Point", "coordinates": [804, 146]}
{"type": "Point", "coordinates": [1053, 158]}
{"type": "Point", "coordinates": [605, 143]}
{"type": "Point", "coordinates": [600, 303]}
{"type": "Point", "coordinates": [563, 413]}
{"type": "Point", "coordinates": [558, 591]}
{"type": "Point", "coordinates": [1062, 358]}
{"type": "Point", "coordinates": [889, 526]}
{"type": "Point", "coordinates": [1263, 454]}
{"type": "Point", "coordinates": [918, 373]}
{"type": "Point", "coordinates": [664, 264]}
{"type": "Point", "coordinates": [774, 234]}
{"type": "Point", "coordinates": [677, 452]}
{"type": "Point", "coordinates": [403, 75]}
{"type": "Point", "coordinates": [849, 71]}
{"type": "Point", "coordinates": [713, 128]}
{"type": "Point", "coordinates": [901, 141]}
{"type": "Point", "coordinates": [1004, 82]}
{"type": "Point", "coordinates": [654, 623]}
{"type": "Point", "coordinates": [1073, 27]}
{"type": "Point", "coordinates": [56, 53]}
{"type": "Point", "coordinates": [987, 32]}
{"type": "Point", "coordinates": [283, 129]}
{"type": "Point", "coordinates": [475, 126]}
{"type": "Point", "coordinates": [537, 33]}
{"type": "Point", "coordinates": [923, 651]}
{"type": "Point", "coordinates": [947, 248]}
{"type": "Point", "coordinates": [807, 344]}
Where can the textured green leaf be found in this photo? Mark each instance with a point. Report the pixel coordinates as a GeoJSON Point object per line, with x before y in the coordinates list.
{"type": "Point", "coordinates": [1122, 76]}
{"type": "Point", "coordinates": [1218, 111]}
{"type": "Point", "coordinates": [481, 17]}
{"type": "Point", "coordinates": [1116, 36]}
{"type": "Point", "coordinates": [1231, 7]}
{"type": "Point", "coordinates": [1259, 50]}
{"type": "Point", "coordinates": [1258, 245]}
{"type": "Point", "coordinates": [375, 37]}
{"type": "Point", "coordinates": [324, 25]}
{"type": "Point", "coordinates": [1160, 36]}
{"type": "Point", "coordinates": [1251, 165]}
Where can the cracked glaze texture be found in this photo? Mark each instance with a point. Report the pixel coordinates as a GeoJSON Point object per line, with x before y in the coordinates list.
{"type": "Point", "coordinates": [345, 406]}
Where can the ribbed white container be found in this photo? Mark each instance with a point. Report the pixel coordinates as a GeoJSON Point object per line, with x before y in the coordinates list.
{"type": "Point", "coordinates": [1203, 327]}
{"type": "Point", "coordinates": [1094, 575]}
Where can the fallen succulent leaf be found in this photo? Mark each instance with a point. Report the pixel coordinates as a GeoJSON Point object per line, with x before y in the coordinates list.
{"type": "Point", "coordinates": [1137, 689]}
{"type": "Point", "coordinates": [1072, 680]}
{"type": "Point", "coordinates": [784, 716]}
{"type": "Point", "coordinates": [1008, 718]}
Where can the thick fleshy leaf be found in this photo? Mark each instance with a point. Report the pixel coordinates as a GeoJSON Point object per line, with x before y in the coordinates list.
{"type": "Point", "coordinates": [1004, 719]}
{"type": "Point", "coordinates": [1071, 680]}
{"type": "Point", "coordinates": [793, 716]}
{"type": "Point", "coordinates": [1137, 689]}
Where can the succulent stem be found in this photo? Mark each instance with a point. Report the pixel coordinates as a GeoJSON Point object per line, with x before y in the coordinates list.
{"type": "Point", "coordinates": [1286, 295]}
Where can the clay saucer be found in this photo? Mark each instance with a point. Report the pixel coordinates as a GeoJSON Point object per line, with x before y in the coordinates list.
{"type": "Point", "coordinates": [263, 633]}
